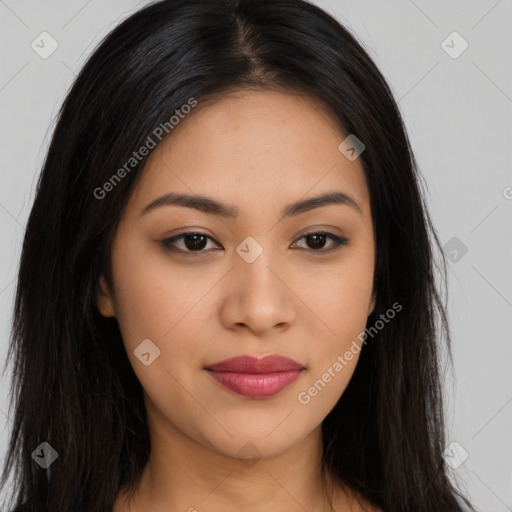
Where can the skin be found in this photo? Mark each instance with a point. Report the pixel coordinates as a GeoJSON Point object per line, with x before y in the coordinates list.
{"type": "Point", "coordinates": [257, 150]}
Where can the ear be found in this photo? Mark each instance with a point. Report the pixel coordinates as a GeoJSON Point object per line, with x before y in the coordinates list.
{"type": "Point", "coordinates": [371, 307]}
{"type": "Point", "coordinates": [104, 299]}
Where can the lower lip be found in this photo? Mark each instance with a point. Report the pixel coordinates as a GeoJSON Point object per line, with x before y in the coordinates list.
{"type": "Point", "coordinates": [256, 385]}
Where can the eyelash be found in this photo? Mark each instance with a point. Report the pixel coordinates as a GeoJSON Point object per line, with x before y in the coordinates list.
{"type": "Point", "coordinates": [167, 243]}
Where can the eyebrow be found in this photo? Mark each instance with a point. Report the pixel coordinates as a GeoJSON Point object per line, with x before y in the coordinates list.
{"type": "Point", "coordinates": [211, 206]}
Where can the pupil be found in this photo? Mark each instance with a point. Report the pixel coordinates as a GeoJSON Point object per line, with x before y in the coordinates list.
{"type": "Point", "coordinates": [317, 236]}
{"type": "Point", "coordinates": [194, 244]}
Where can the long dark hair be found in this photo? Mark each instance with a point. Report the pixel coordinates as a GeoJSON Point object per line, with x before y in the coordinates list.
{"type": "Point", "coordinates": [73, 385]}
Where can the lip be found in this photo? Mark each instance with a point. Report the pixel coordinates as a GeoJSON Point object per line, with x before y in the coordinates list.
{"type": "Point", "coordinates": [256, 377]}
{"type": "Point", "coordinates": [250, 364]}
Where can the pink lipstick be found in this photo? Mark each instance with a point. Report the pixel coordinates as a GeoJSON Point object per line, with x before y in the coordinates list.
{"type": "Point", "coordinates": [256, 378]}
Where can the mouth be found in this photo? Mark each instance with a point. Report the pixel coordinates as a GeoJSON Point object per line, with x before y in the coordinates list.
{"type": "Point", "coordinates": [256, 378]}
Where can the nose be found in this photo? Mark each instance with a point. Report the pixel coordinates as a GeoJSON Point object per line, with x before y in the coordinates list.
{"type": "Point", "coordinates": [259, 296]}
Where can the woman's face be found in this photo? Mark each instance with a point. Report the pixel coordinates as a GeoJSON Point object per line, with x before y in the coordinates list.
{"type": "Point", "coordinates": [255, 282]}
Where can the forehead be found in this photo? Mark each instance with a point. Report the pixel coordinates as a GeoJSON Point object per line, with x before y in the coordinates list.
{"type": "Point", "coordinates": [248, 145]}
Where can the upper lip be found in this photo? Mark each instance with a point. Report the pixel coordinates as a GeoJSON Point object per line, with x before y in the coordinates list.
{"type": "Point", "coordinates": [250, 364]}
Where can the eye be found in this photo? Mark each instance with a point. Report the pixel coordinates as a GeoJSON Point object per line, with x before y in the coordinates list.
{"type": "Point", "coordinates": [195, 242]}
{"type": "Point", "coordinates": [317, 240]}
{"type": "Point", "coordinates": [191, 241]}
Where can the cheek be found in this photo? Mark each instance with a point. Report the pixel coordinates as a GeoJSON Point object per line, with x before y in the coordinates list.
{"type": "Point", "coordinates": [144, 305]}
{"type": "Point", "coordinates": [336, 353]}
{"type": "Point", "coordinates": [341, 301]}
{"type": "Point", "coordinates": [153, 299]}
{"type": "Point", "coordinates": [342, 307]}
{"type": "Point", "coordinates": [156, 303]}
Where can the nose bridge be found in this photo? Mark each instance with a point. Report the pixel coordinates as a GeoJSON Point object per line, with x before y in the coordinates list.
{"type": "Point", "coordinates": [259, 296]}
{"type": "Point", "coordinates": [255, 268]}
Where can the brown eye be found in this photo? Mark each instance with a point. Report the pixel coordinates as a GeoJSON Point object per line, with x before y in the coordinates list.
{"type": "Point", "coordinates": [316, 241]}
{"type": "Point", "coordinates": [190, 242]}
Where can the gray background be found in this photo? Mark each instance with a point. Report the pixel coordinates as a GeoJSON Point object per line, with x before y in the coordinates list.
{"type": "Point", "coordinates": [458, 115]}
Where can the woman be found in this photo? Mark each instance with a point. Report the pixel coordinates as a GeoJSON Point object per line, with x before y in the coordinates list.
{"type": "Point", "coordinates": [226, 297]}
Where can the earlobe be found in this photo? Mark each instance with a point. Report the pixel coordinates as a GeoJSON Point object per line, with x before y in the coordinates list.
{"type": "Point", "coordinates": [104, 300]}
